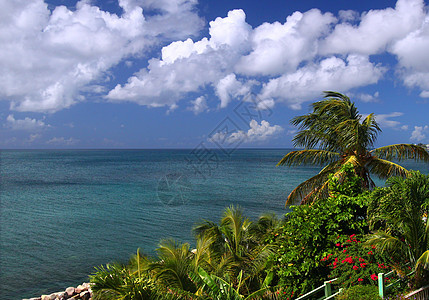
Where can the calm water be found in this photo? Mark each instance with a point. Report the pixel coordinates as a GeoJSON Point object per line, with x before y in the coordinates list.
{"type": "Point", "coordinates": [64, 212]}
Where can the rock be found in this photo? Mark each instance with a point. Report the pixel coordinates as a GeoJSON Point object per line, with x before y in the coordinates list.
{"type": "Point", "coordinates": [85, 295]}
{"type": "Point", "coordinates": [49, 297]}
{"type": "Point", "coordinates": [86, 285]}
{"type": "Point", "coordinates": [80, 288]}
{"type": "Point", "coordinates": [70, 291]}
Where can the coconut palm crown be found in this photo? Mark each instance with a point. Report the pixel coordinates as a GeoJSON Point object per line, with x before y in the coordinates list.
{"type": "Point", "coordinates": [335, 134]}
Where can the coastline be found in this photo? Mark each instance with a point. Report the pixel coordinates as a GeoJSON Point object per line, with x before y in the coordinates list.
{"type": "Point", "coordinates": [81, 292]}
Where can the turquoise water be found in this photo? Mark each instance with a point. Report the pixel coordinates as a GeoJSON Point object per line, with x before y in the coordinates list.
{"type": "Point", "coordinates": [65, 211]}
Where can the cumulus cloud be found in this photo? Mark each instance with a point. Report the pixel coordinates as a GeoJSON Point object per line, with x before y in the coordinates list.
{"type": "Point", "coordinates": [54, 59]}
{"type": "Point", "coordinates": [376, 31]}
{"type": "Point", "coordinates": [279, 48]}
{"type": "Point", "coordinates": [27, 124]}
{"type": "Point", "coordinates": [188, 66]}
{"type": "Point", "coordinates": [411, 52]}
{"type": "Point", "coordinates": [256, 133]}
{"type": "Point", "coordinates": [49, 58]}
{"type": "Point", "coordinates": [229, 87]}
{"type": "Point", "coordinates": [331, 73]}
{"type": "Point", "coordinates": [419, 133]}
{"type": "Point", "coordinates": [199, 105]}
{"type": "Point", "coordinates": [61, 141]}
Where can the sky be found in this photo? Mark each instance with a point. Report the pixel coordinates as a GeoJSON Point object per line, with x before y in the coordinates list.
{"type": "Point", "coordinates": [222, 74]}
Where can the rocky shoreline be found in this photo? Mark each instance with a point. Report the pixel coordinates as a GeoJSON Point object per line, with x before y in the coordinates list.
{"type": "Point", "coordinates": [82, 292]}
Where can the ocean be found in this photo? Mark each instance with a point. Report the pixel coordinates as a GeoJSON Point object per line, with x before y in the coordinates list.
{"type": "Point", "coordinates": [63, 212]}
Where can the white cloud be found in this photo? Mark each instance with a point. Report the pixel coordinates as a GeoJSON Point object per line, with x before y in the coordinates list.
{"type": "Point", "coordinates": [199, 105]}
{"type": "Point", "coordinates": [34, 137]}
{"type": "Point", "coordinates": [411, 52]}
{"type": "Point", "coordinates": [187, 66]}
{"type": "Point", "coordinates": [229, 87]}
{"type": "Point", "coordinates": [61, 141]}
{"type": "Point", "coordinates": [348, 15]}
{"type": "Point", "coordinates": [332, 73]}
{"type": "Point", "coordinates": [27, 124]}
{"type": "Point", "coordinates": [419, 133]}
{"type": "Point", "coordinates": [424, 94]}
{"type": "Point", "coordinates": [52, 60]}
{"type": "Point", "coordinates": [256, 133]}
{"type": "Point", "coordinates": [279, 48]}
{"type": "Point", "coordinates": [384, 120]}
{"type": "Point", "coordinates": [48, 58]}
{"type": "Point", "coordinates": [368, 97]}
{"type": "Point", "coordinates": [376, 31]}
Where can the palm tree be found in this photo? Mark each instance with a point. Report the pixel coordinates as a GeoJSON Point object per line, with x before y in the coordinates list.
{"type": "Point", "coordinates": [335, 134]}
{"type": "Point", "coordinates": [237, 248]}
{"type": "Point", "coordinates": [399, 214]}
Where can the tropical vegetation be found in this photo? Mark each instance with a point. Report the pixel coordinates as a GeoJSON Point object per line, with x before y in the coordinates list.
{"type": "Point", "coordinates": [351, 233]}
{"type": "Point", "coordinates": [335, 134]}
{"type": "Point", "coordinates": [398, 215]}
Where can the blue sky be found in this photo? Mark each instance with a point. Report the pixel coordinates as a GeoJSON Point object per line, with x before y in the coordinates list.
{"type": "Point", "coordinates": [177, 73]}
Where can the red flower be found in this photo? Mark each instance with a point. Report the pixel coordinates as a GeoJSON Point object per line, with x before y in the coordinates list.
{"type": "Point", "coordinates": [355, 268]}
{"type": "Point", "coordinates": [370, 253]}
{"type": "Point", "coordinates": [349, 260]}
{"type": "Point", "coordinates": [361, 259]}
{"type": "Point", "coordinates": [360, 279]}
{"type": "Point", "coordinates": [374, 277]}
{"type": "Point", "coordinates": [338, 244]}
{"type": "Point", "coordinates": [344, 251]}
{"type": "Point", "coordinates": [362, 265]}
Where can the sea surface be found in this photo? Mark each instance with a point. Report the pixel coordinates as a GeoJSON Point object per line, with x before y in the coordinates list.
{"type": "Point", "coordinates": [62, 212]}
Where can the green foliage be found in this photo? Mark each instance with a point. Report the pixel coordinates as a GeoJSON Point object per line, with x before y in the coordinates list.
{"type": "Point", "coordinates": [349, 185]}
{"type": "Point", "coordinates": [116, 281]}
{"type": "Point", "coordinates": [309, 234]}
{"type": "Point", "coordinates": [360, 292]}
{"type": "Point", "coordinates": [228, 263]}
{"type": "Point", "coordinates": [354, 264]}
{"type": "Point", "coordinates": [398, 214]}
{"type": "Point", "coordinates": [339, 135]}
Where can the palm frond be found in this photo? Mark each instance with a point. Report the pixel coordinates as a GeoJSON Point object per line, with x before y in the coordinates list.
{"type": "Point", "coordinates": [311, 156]}
{"type": "Point", "coordinates": [385, 169]}
{"type": "Point", "coordinates": [423, 260]}
{"type": "Point", "coordinates": [315, 185]}
{"type": "Point", "coordinates": [401, 152]}
{"type": "Point", "coordinates": [388, 243]}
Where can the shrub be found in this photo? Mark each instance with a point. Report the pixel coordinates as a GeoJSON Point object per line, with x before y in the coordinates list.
{"type": "Point", "coordinates": [355, 264]}
{"type": "Point", "coordinates": [310, 234]}
{"type": "Point", "coordinates": [360, 292]}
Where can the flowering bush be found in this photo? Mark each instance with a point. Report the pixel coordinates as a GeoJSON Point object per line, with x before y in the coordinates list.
{"type": "Point", "coordinates": [352, 263]}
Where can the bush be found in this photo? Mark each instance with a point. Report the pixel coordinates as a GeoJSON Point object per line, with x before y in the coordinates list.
{"type": "Point", "coordinates": [352, 263]}
{"type": "Point", "coordinates": [310, 234]}
{"type": "Point", "coordinates": [360, 292]}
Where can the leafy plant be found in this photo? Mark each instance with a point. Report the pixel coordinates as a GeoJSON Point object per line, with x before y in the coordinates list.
{"type": "Point", "coordinates": [360, 292]}
{"type": "Point", "coordinates": [335, 134]}
{"type": "Point", "coordinates": [354, 264]}
{"type": "Point", "coordinates": [398, 214]}
{"type": "Point", "coordinates": [310, 233]}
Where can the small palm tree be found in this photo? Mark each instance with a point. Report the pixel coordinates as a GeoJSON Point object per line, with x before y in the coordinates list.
{"type": "Point", "coordinates": [399, 214]}
{"type": "Point", "coordinates": [335, 134]}
{"type": "Point", "coordinates": [124, 282]}
{"type": "Point", "coordinates": [238, 248]}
